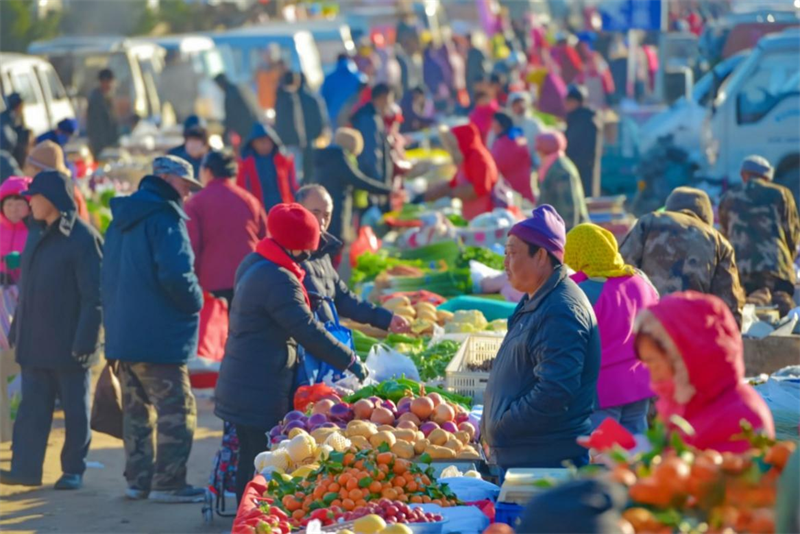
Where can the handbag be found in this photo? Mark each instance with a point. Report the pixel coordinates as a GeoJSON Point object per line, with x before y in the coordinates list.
{"type": "Point", "coordinates": [107, 408]}
{"type": "Point", "coordinates": [313, 371]}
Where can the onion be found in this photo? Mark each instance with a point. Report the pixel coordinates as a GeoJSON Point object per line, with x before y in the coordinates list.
{"type": "Point", "coordinates": [389, 405]}
{"type": "Point", "coordinates": [406, 408]}
{"type": "Point", "coordinates": [407, 425]}
{"type": "Point", "coordinates": [462, 417]}
{"type": "Point", "coordinates": [332, 397]}
{"type": "Point", "coordinates": [405, 401]}
{"type": "Point", "coordinates": [297, 423]}
{"type": "Point", "coordinates": [277, 439]}
{"type": "Point", "coordinates": [382, 416]}
{"type": "Point", "coordinates": [376, 401]}
{"type": "Point", "coordinates": [422, 407]}
{"type": "Point", "coordinates": [363, 409]}
{"type": "Point", "coordinates": [428, 427]}
{"type": "Point", "coordinates": [293, 416]}
{"type": "Point", "coordinates": [275, 431]}
{"type": "Point", "coordinates": [322, 406]}
{"type": "Point", "coordinates": [410, 417]}
{"type": "Point", "coordinates": [317, 419]}
{"type": "Point", "coordinates": [436, 398]}
{"type": "Point", "coordinates": [341, 424]}
{"type": "Point", "coordinates": [469, 428]}
{"type": "Point", "coordinates": [341, 412]}
{"type": "Point", "coordinates": [450, 427]}
{"type": "Point", "coordinates": [443, 413]}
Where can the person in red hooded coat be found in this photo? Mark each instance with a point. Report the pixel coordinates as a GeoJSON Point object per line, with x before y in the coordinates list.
{"type": "Point", "coordinates": [477, 173]}
{"type": "Point", "coordinates": [691, 345]}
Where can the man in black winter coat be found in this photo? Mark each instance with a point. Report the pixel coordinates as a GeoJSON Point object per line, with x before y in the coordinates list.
{"type": "Point", "coordinates": [102, 124]}
{"type": "Point", "coordinates": [55, 332]}
{"type": "Point", "coordinates": [584, 139]}
{"type": "Point", "coordinates": [241, 111]}
{"type": "Point", "coordinates": [337, 170]}
{"type": "Point", "coordinates": [376, 159]}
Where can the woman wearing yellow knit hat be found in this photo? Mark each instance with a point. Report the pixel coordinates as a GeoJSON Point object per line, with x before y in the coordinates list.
{"type": "Point", "coordinates": [618, 292]}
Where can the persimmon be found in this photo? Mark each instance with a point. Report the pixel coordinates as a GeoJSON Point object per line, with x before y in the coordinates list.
{"type": "Point", "coordinates": [389, 493]}
{"type": "Point", "coordinates": [385, 458]}
{"type": "Point", "coordinates": [674, 473]}
{"type": "Point", "coordinates": [400, 466]}
{"type": "Point", "coordinates": [348, 504]}
{"type": "Point", "coordinates": [641, 519]}
{"type": "Point", "coordinates": [779, 454]}
{"type": "Point", "coordinates": [650, 491]}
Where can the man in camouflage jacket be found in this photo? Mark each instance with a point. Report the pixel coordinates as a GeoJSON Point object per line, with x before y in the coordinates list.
{"type": "Point", "coordinates": [760, 220]}
{"type": "Point", "coordinates": [679, 249]}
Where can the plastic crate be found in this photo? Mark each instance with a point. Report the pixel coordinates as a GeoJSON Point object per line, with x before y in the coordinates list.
{"type": "Point", "coordinates": [508, 513]}
{"type": "Point", "coordinates": [478, 348]}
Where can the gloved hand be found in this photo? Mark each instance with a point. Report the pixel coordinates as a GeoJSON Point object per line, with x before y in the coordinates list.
{"type": "Point", "coordinates": [359, 369]}
{"type": "Point", "coordinates": [12, 260]}
{"type": "Point", "coordinates": [82, 359]}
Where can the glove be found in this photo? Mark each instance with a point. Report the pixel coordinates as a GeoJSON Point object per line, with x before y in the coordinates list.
{"type": "Point", "coordinates": [82, 359]}
{"type": "Point", "coordinates": [359, 369]}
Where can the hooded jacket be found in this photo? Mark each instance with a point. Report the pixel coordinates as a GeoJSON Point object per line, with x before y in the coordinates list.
{"type": "Point", "coordinates": [513, 161]}
{"type": "Point", "coordinates": [543, 384]}
{"type": "Point", "coordinates": [13, 235]}
{"type": "Point", "coordinates": [477, 169]}
{"type": "Point", "coordinates": [339, 86]}
{"type": "Point", "coordinates": [679, 250]}
{"type": "Point", "coordinates": [323, 280]}
{"type": "Point", "coordinates": [151, 295]}
{"type": "Point", "coordinates": [270, 188]}
{"type": "Point", "coordinates": [482, 116]}
{"type": "Point", "coordinates": [59, 314]}
{"type": "Point", "coordinates": [312, 113]}
{"type": "Point", "coordinates": [336, 170]}
{"type": "Point", "coordinates": [375, 160]}
{"type": "Point", "coordinates": [707, 356]}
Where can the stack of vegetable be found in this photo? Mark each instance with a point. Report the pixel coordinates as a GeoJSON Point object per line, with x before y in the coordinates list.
{"type": "Point", "coordinates": [481, 255]}
{"type": "Point", "coordinates": [398, 388]}
{"type": "Point", "coordinates": [432, 362]}
{"type": "Point", "coordinates": [370, 265]}
{"type": "Point", "coordinates": [423, 316]}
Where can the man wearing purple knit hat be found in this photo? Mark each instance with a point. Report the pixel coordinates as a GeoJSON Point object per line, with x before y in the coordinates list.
{"type": "Point", "coordinates": [543, 384]}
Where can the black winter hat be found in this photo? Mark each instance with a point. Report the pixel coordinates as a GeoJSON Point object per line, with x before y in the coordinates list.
{"type": "Point", "coordinates": [56, 187]}
{"type": "Point", "coordinates": [221, 163]}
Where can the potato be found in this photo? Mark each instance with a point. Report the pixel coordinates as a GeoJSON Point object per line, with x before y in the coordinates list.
{"type": "Point", "coordinates": [360, 428]}
{"type": "Point", "coordinates": [396, 302]}
{"type": "Point", "coordinates": [360, 442]}
{"type": "Point", "coordinates": [321, 434]}
{"type": "Point", "coordinates": [403, 449]}
{"type": "Point", "coordinates": [405, 435]}
{"type": "Point", "coordinates": [422, 305]}
{"type": "Point", "coordinates": [438, 437]}
{"type": "Point", "coordinates": [454, 444]}
{"type": "Point", "coordinates": [420, 445]}
{"type": "Point", "coordinates": [386, 428]}
{"type": "Point", "coordinates": [382, 437]}
{"type": "Point", "coordinates": [468, 453]}
{"type": "Point", "coordinates": [406, 311]}
{"type": "Point", "coordinates": [463, 437]}
{"type": "Point", "coordinates": [440, 453]}
{"type": "Point", "coordinates": [443, 316]}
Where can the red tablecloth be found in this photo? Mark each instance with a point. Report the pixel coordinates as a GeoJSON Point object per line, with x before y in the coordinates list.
{"type": "Point", "coordinates": [254, 490]}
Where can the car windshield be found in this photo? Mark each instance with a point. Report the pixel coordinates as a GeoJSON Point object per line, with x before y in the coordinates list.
{"type": "Point", "coordinates": [78, 72]}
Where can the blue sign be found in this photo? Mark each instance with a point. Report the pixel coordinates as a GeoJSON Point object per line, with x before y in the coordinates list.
{"type": "Point", "coordinates": [624, 15]}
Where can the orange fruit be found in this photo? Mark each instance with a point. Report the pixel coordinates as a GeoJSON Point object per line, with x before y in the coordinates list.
{"type": "Point", "coordinates": [348, 504]}
{"type": "Point", "coordinates": [622, 475]}
{"type": "Point", "coordinates": [411, 486]}
{"type": "Point", "coordinates": [355, 494]}
{"type": "Point", "coordinates": [389, 494]}
{"type": "Point", "coordinates": [298, 514]}
{"type": "Point", "coordinates": [352, 484]}
{"type": "Point", "coordinates": [400, 466]}
{"type": "Point", "coordinates": [762, 521]}
{"type": "Point", "coordinates": [641, 519]}
{"type": "Point", "coordinates": [375, 487]}
{"type": "Point", "coordinates": [349, 458]}
{"type": "Point", "coordinates": [385, 458]}
{"type": "Point", "coordinates": [334, 488]}
{"type": "Point", "coordinates": [417, 499]}
{"type": "Point", "coordinates": [650, 491]}
{"type": "Point", "coordinates": [361, 502]}
{"type": "Point", "coordinates": [734, 464]}
{"type": "Point", "coordinates": [399, 482]}
{"type": "Point", "coordinates": [779, 454]}
{"type": "Point", "coordinates": [674, 473]}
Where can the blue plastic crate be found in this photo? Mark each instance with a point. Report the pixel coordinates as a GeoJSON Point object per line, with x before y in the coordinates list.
{"type": "Point", "coordinates": [508, 513]}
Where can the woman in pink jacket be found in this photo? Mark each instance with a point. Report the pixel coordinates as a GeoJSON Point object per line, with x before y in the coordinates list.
{"type": "Point", "coordinates": [13, 231]}
{"type": "Point", "coordinates": [618, 292]}
{"type": "Point", "coordinates": [511, 156]}
{"type": "Point", "coordinates": [691, 345]}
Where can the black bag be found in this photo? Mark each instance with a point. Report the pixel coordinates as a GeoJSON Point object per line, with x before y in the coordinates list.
{"type": "Point", "coordinates": [107, 407]}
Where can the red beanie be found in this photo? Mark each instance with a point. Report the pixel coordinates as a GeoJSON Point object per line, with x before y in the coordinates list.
{"type": "Point", "coordinates": [293, 227]}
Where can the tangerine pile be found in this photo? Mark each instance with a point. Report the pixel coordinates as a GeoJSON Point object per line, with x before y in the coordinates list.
{"type": "Point", "coordinates": [726, 492]}
{"type": "Point", "coordinates": [348, 481]}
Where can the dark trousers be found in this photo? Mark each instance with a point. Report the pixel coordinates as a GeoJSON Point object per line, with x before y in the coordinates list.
{"type": "Point", "coordinates": [252, 442]}
{"type": "Point", "coordinates": [165, 390]}
{"type": "Point", "coordinates": [40, 387]}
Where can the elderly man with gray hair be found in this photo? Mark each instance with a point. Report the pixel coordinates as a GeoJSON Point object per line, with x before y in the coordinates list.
{"type": "Point", "coordinates": [151, 311]}
{"type": "Point", "coordinates": [760, 220]}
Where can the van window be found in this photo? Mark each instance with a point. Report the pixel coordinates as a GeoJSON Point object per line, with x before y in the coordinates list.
{"type": "Point", "coordinates": [774, 79]}
{"type": "Point", "coordinates": [53, 84]}
{"type": "Point", "coordinates": [25, 84]}
{"type": "Point", "coordinates": [309, 59]}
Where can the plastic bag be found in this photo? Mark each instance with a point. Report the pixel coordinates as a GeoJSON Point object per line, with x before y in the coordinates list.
{"type": "Point", "coordinates": [472, 489]}
{"type": "Point", "coordinates": [782, 395]}
{"type": "Point", "coordinates": [385, 363]}
{"type": "Point", "coordinates": [106, 415]}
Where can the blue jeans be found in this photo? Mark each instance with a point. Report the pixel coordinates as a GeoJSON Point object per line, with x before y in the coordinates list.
{"type": "Point", "coordinates": [40, 387]}
{"type": "Point", "coordinates": [632, 416]}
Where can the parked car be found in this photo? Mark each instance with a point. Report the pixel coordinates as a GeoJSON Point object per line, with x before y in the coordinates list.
{"type": "Point", "coordinates": [136, 65]}
{"type": "Point", "coordinates": [46, 100]}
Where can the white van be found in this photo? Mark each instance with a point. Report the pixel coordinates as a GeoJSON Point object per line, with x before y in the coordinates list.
{"type": "Point", "coordinates": [46, 101]}
{"type": "Point", "coordinates": [757, 111]}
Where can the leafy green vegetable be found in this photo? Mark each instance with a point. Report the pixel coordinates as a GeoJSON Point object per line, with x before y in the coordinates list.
{"type": "Point", "coordinates": [369, 265]}
{"type": "Point", "coordinates": [396, 389]}
{"type": "Point", "coordinates": [481, 255]}
{"type": "Point", "coordinates": [432, 362]}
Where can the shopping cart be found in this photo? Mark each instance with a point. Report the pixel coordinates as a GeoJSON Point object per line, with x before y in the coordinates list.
{"type": "Point", "coordinates": [222, 482]}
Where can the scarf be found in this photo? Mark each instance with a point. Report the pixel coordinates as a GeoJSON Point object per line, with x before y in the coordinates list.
{"type": "Point", "coordinates": [593, 251]}
{"type": "Point", "coordinates": [273, 252]}
{"type": "Point", "coordinates": [666, 405]}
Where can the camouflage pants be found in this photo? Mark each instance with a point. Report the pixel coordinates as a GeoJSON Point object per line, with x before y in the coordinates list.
{"type": "Point", "coordinates": [162, 391]}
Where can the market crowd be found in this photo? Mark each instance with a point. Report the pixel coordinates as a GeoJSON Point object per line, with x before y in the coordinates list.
{"type": "Point", "coordinates": [599, 331]}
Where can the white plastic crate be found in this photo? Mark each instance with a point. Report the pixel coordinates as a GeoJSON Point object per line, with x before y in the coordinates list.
{"type": "Point", "coordinates": [475, 350]}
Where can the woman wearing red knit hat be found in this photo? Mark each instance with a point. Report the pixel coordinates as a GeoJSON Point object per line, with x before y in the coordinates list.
{"type": "Point", "coordinates": [269, 314]}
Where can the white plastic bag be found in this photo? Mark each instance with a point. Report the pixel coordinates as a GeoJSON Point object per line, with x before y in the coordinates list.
{"type": "Point", "coordinates": [385, 363]}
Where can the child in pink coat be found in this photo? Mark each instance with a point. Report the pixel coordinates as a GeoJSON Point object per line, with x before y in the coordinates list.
{"type": "Point", "coordinates": [13, 231]}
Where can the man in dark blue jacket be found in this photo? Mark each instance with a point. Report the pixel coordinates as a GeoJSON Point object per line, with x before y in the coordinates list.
{"type": "Point", "coordinates": [195, 143]}
{"type": "Point", "coordinates": [152, 301]}
{"type": "Point", "coordinates": [55, 332]}
{"type": "Point", "coordinates": [543, 384]}
{"type": "Point", "coordinates": [340, 85]}
{"type": "Point", "coordinates": [376, 159]}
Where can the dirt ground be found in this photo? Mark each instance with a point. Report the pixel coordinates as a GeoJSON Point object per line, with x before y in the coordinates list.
{"type": "Point", "coordinates": [100, 506]}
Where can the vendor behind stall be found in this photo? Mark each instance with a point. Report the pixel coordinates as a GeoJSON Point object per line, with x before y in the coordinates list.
{"type": "Point", "coordinates": [690, 342]}
{"type": "Point", "coordinates": [270, 313]}
{"type": "Point", "coordinates": [543, 384]}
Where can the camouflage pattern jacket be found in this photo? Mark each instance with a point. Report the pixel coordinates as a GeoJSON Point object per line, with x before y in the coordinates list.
{"type": "Point", "coordinates": [562, 189]}
{"type": "Point", "coordinates": [680, 251]}
{"type": "Point", "coordinates": [760, 220]}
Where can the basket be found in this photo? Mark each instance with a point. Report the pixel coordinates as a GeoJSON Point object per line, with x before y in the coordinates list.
{"type": "Point", "coordinates": [478, 348]}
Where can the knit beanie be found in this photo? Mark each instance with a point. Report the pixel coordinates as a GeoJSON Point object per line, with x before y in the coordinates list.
{"type": "Point", "coordinates": [293, 227]}
{"type": "Point", "coordinates": [544, 228]}
{"type": "Point", "coordinates": [350, 140]}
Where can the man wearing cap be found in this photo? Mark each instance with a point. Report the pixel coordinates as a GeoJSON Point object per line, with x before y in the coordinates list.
{"type": "Point", "coordinates": [679, 249]}
{"type": "Point", "coordinates": [271, 315]}
{"type": "Point", "coordinates": [102, 125]}
{"type": "Point", "coordinates": [760, 220]}
{"type": "Point", "coordinates": [61, 134]}
{"type": "Point", "coordinates": [584, 138]}
{"type": "Point", "coordinates": [337, 171]}
{"type": "Point", "coordinates": [151, 305]}
{"type": "Point", "coordinates": [543, 384]}
{"type": "Point", "coordinates": [55, 332]}
{"type": "Point", "coordinates": [49, 156]}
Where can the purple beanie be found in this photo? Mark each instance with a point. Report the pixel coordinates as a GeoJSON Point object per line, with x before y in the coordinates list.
{"type": "Point", "coordinates": [544, 228]}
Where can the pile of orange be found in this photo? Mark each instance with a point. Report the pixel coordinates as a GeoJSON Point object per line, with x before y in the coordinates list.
{"type": "Point", "coordinates": [728, 492]}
